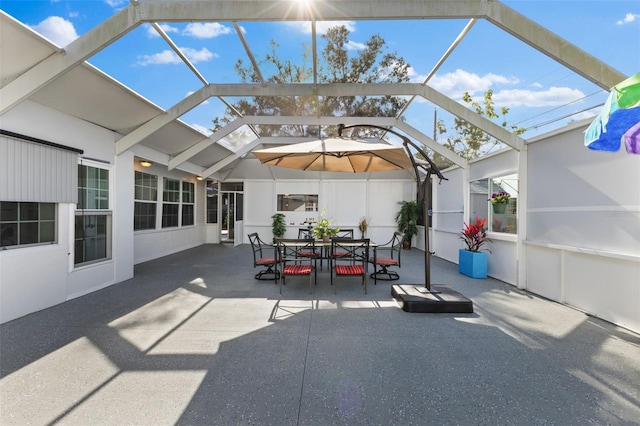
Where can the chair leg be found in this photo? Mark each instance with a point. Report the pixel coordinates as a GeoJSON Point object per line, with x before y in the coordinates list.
{"type": "Point", "coordinates": [268, 274]}
{"type": "Point", "coordinates": [382, 272]}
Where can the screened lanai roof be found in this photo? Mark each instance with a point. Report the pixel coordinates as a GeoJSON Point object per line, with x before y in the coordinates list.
{"type": "Point", "coordinates": [152, 111]}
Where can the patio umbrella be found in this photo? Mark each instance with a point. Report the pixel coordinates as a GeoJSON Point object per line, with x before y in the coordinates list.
{"type": "Point", "coordinates": [619, 121]}
{"type": "Point", "coordinates": [337, 155]}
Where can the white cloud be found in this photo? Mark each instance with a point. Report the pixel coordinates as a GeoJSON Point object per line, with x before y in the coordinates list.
{"type": "Point", "coordinates": [152, 33]}
{"type": "Point", "coordinates": [116, 3]}
{"type": "Point", "coordinates": [354, 45]}
{"type": "Point", "coordinates": [202, 129]}
{"type": "Point", "coordinates": [170, 57]}
{"type": "Point", "coordinates": [628, 18]}
{"type": "Point", "coordinates": [321, 27]}
{"type": "Point", "coordinates": [57, 29]}
{"type": "Point", "coordinates": [206, 30]}
{"type": "Point", "coordinates": [553, 96]}
{"type": "Point", "coordinates": [456, 83]}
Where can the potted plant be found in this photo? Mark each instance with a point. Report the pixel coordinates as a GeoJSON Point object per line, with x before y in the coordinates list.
{"type": "Point", "coordinates": [472, 261]}
{"type": "Point", "coordinates": [279, 226]}
{"type": "Point", "coordinates": [499, 201]}
{"type": "Point", "coordinates": [323, 230]}
{"type": "Point", "coordinates": [363, 225]}
{"type": "Point", "coordinates": [407, 220]}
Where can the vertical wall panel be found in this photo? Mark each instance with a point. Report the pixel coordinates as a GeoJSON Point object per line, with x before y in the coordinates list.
{"type": "Point", "coordinates": [33, 172]}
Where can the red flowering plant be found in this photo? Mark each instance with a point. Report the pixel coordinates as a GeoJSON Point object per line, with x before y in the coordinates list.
{"type": "Point", "coordinates": [475, 235]}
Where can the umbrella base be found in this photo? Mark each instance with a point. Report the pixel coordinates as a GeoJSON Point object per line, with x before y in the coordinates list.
{"type": "Point", "coordinates": [416, 298]}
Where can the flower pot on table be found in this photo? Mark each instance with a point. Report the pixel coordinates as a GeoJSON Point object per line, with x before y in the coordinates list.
{"type": "Point", "coordinates": [472, 263]}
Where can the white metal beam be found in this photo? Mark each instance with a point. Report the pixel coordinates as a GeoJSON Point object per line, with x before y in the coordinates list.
{"type": "Point", "coordinates": [557, 48]}
{"type": "Point", "coordinates": [204, 144]}
{"type": "Point", "coordinates": [431, 144]}
{"type": "Point", "coordinates": [176, 111]}
{"type": "Point", "coordinates": [231, 158]}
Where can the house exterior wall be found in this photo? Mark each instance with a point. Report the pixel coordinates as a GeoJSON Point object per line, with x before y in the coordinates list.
{"type": "Point", "coordinates": [38, 277]}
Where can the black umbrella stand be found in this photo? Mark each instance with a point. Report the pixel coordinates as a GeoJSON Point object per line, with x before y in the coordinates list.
{"type": "Point", "coordinates": [423, 298]}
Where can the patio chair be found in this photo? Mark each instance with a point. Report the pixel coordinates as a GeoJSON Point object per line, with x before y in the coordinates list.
{"type": "Point", "coordinates": [342, 233]}
{"type": "Point", "coordinates": [263, 255]}
{"type": "Point", "coordinates": [305, 234]}
{"type": "Point", "coordinates": [291, 262]}
{"type": "Point", "coordinates": [352, 260]}
{"type": "Point", "coordinates": [386, 256]}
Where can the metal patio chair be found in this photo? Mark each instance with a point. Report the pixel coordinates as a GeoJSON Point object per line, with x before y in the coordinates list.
{"type": "Point", "coordinates": [263, 255]}
{"type": "Point", "coordinates": [386, 256]}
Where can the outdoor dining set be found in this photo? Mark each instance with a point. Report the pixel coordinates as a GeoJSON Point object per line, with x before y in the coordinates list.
{"type": "Point", "coordinates": [346, 256]}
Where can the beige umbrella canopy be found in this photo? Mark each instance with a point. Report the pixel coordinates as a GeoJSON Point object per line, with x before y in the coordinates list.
{"type": "Point", "coordinates": [337, 155]}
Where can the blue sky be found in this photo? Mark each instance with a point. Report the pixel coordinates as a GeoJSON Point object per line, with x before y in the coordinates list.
{"type": "Point", "coordinates": [541, 94]}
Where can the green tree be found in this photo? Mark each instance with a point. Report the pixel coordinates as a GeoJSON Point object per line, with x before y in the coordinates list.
{"type": "Point", "coordinates": [467, 140]}
{"type": "Point", "coordinates": [372, 63]}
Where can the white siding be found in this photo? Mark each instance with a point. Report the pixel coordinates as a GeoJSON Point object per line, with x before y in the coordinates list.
{"type": "Point", "coordinates": [39, 173]}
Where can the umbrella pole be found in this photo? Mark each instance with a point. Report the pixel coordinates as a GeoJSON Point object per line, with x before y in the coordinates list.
{"type": "Point", "coordinates": [425, 220]}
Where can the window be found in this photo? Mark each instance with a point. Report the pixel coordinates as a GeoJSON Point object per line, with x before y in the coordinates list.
{"type": "Point", "coordinates": [92, 239]}
{"type": "Point", "coordinates": [170, 202]}
{"type": "Point", "coordinates": [23, 223]}
{"type": "Point", "coordinates": [297, 203]}
{"type": "Point", "coordinates": [500, 218]}
{"type": "Point", "coordinates": [212, 201]}
{"type": "Point", "coordinates": [188, 200]}
{"type": "Point", "coordinates": [146, 196]}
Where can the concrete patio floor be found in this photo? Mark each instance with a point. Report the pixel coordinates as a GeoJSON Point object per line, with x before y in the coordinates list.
{"type": "Point", "coordinates": [195, 339]}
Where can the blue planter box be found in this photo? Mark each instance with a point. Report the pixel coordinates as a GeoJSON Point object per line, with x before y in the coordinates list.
{"type": "Point", "coordinates": [472, 264]}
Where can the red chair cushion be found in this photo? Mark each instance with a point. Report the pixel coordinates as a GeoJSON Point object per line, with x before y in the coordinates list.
{"type": "Point", "coordinates": [385, 261]}
{"type": "Point", "coordinates": [266, 261]}
{"type": "Point", "coordinates": [349, 270]}
{"type": "Point", "coordinates": [309, 253]}
{"type": "Point", "coordinates": [342, 254]}
{"type": "Point", "coordinates": [297, 269]}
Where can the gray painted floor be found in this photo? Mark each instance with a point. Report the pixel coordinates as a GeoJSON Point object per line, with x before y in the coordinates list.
{"type": "Point", "coordinates": [195, 339]}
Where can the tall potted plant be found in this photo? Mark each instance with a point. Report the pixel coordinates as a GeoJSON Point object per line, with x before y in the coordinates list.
{"type": "Point", "coordinates": [407, 220]}
{"type": "Point", "coordinates": [278, 226]}
{"type": "Point", "coordinates": [472, 261]}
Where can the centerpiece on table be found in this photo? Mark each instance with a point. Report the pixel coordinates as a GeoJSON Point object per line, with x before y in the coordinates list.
{"type": "Point", "coordinates": [499, 201]}
{"type": "Point", "coordinates": [323, 230]}
{"type": "Point", "coordinates": [472, 261]}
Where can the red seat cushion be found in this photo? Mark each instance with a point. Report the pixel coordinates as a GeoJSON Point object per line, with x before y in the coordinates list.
{"type": "Point", "coordinates": [385, 261]}
{"type": "Point", "coordinates": [349, 270]}
{"type": "Point", "coordinates": [297, 269]}
{"type": "Point", "coordinates": [309, 253]}
{"type": "Point", "coordinates": [342, 254]}
{"type": "Point", "coordinates": [266, 261]}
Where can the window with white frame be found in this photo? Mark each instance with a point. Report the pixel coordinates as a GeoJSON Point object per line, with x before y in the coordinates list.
{"type": "Point", "coordinates": [27, 223]}
{"type": "Point", "coordinates": [146, 198]}
{"type": "Point", "coordinates": [497, 200]}
{"type": "Point", "coordinates": [212, 201]}
{"type": "Point", "coordinates": [170, 203]}
{"type": "Point", "coordinates": [92, 238]}
{"type": "Point", "coordinates": [188, 203]}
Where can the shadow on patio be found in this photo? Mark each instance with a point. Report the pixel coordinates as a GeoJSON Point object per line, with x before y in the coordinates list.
{"type": "Point", "coordinates": [195, 339]}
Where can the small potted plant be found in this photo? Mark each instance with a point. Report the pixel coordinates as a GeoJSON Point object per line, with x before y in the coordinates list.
{"type": "Point", "coordinates": [407, 220]}
{"type": "Point", "coordinates": [472, 261]}
{"type": "Point", "coordinates": [323, 230]}
{"type": "Point", "coordinates": [499, 201]}
{"type": "Point", "coordinates": [278, 226]}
